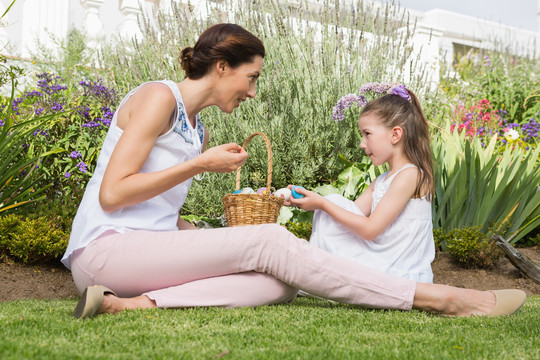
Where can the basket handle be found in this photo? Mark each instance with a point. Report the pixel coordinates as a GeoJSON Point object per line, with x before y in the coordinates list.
{"type": "Point", "coordinates": [268, 150]}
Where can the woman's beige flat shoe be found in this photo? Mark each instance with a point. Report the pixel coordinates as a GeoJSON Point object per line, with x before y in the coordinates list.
{"type": "Point", "coordinates": [507, 302]}
{"type": "Point", "coordinates": [90, 301]}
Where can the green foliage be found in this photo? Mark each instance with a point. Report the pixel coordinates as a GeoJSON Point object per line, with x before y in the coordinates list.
{"type": "Point", "coordinates": [214, 222]}
{"type": "Point", "coordinates": [19, 156]}
{"type": "Point", "coordinates": [307, 69]}
{"type": "Point", "coordinates": [76, 136]}
{"type": "Point", "coordinates": [295, 215]}
{"type": "Point", "coordinates": [353, 180]}
{"type": "Point", "coordinates": [470, 247]}
{"type": "Point", "coordinates": [59, 211]}
{"type": "Point", "coordinates": [301, 230]}
{"type": "Point", "coordinates": [476, 185]}
{"type": "Point", "coordinates": [31, 240]}
{"type": "Point", "coordinates": [440, 238]}
{"type": "Point", "coordinates": [503, 79]}
{"type": "Point", "coordinates": [533, 239]}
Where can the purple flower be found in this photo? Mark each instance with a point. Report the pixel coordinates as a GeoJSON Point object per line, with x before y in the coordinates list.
{"type": "Point", "coordinates": [106, 122]}
{"type": "Point", "coordinates": [92, 124]}
{"type": "Point", "coordinates": [67, 175]}
{"type": "Point", "coordinates": [84, 112]}
{"type": "Point", "coordinates": [75, 154]}
{"type": "Point", "coordinates": [40, 132]}
{"type": "Point", "coordinates": [379, 88]}
{"type": "Point", "coordinates": [97, 89]}
{"type": "Point", "coordinates": [345, 103]}
{"type": "Point", "coordinates": [82, 167]}
{"type": "Point", "coordinates": [386, 87]}
{"type": "Point", "coordinates": [57, 107]}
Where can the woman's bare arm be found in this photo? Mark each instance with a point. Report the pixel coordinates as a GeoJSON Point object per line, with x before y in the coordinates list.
{"type": "Point", "coordinates": [146, 116]}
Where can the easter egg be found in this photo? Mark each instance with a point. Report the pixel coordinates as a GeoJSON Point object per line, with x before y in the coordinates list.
{"type": "Point", "coordinates": [237, 192]}
{"type": "Point", "coordinates": [295, 194]}
{"type": "Point", "coordinates": [248, 190]}
{"type": "Point", "coordinates": [283, 193]}
{"type": "Point", "coordinates": [261, 191]}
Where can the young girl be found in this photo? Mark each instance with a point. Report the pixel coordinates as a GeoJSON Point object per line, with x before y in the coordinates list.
{"type": "Point", "coordinates": [129, 249]}
{"type": "Point", "coordinates": [389, 227]}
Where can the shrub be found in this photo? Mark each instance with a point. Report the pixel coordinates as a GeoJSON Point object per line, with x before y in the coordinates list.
{"type": "Point", "coordinates": [470, 247]}
{"type": "Point", "coordinates": [59, 211]}
{"type": "Point", "coordinates": [301, 230]}
{"type": "Point", "coordinates": [31, 240]}
{"type": "Point", "coordinates": [441, 237]}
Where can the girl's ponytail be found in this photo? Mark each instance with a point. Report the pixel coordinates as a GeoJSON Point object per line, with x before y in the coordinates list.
{"type": "Point", "coordinates": [419, 150]}
{"type": "Point", "coordinates": [395, 110]}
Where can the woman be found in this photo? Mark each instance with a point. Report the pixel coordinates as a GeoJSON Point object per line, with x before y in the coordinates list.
{"type": "Point", "coordinates": [127, 235]}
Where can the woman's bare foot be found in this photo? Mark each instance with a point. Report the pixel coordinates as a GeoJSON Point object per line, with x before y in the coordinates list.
{"type": "Point", "coordinates": [112, 304]}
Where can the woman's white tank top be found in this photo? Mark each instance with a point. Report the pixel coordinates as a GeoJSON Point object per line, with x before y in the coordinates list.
{"type": "Point", "coordinates": [160, 213]}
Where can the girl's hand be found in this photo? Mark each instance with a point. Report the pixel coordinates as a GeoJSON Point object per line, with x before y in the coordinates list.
{"type": "Point", "coordinates": [312, 201]}
{"type": "Point", "coordinates": [223, 158]}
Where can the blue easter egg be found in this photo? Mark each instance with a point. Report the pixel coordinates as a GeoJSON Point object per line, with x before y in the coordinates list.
{"type": "Point", "coordinates": [295, 194]}
{"type": "Point", "coordinates": [237, 191]}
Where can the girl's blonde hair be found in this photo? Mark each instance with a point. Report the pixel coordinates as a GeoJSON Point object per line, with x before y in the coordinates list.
{"type": "Point", "coordinates": [394, 110]}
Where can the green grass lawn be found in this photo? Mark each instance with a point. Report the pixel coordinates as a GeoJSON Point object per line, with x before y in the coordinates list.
{"type": "Point", "coordinates": [307, 329]}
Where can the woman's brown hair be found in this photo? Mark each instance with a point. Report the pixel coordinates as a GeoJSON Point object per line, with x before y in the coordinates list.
{"type": "Point", "coordinates": [229, 42]}
{"type": "Point", "coordinates": [393, 110]}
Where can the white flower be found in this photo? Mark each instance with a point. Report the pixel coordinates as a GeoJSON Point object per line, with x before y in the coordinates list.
{"type": "Point", "coordinates": [511, 135]}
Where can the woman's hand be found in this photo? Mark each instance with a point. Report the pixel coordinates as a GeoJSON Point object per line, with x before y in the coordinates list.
{"type": "Point", "coordinates": [223, 158]}
{"type": "Point", "coordinates": [312, 201]}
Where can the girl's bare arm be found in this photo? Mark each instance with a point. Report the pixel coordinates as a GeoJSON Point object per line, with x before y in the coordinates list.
{"type": "Point", "coordinates": [367, 227]}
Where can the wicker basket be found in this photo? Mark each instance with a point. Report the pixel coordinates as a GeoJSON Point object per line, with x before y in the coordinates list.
{"type": "Point", "coordinates": [253, 209]}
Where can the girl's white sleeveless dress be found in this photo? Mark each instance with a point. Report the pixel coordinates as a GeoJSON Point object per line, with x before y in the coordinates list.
{"type": "Point", "coordinates": [406, 248]}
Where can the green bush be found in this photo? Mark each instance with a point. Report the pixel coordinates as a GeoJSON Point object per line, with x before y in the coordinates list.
{"type": "Point", "coordinates": [441, 237]}
{"type": "Point", "coordinates": [59, 211]}
{"type": "Point", "coordinates": [470, 247]}
{"type": "Point", "coordinates": [31, 240]}
{"type": "Point", "coordinates": [301, 230]}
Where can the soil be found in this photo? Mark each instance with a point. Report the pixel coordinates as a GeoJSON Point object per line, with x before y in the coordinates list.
{"type": "Point", "coordinates": [53, 281]}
